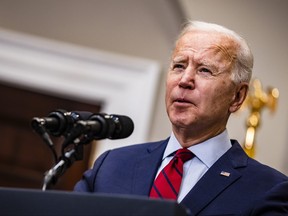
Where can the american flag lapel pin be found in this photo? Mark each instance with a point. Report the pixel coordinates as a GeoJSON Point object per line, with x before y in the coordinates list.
{"type": "Point", "coordinates": [223, 173]}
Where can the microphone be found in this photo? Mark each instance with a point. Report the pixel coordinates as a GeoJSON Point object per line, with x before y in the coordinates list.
{"type": "Point", "coordinates": [93, 126]}
{"type": "Point", "coordinates": [110, 126]}
{"type": "Point", "coordinates": [59, 122]}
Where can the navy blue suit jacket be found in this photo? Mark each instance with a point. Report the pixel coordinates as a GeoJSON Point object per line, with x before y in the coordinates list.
{"type": "Point", "coordinates": [274, 203]}
{"type": "Point", "coordinates": [131, 170]}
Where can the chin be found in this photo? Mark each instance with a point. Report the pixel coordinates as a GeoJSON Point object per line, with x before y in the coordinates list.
{"type": "Point", "coordinates": [180, 121]}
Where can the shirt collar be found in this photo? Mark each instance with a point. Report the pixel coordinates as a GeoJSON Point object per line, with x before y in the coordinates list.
{"type": "Point", "coordinates": [208, 152]}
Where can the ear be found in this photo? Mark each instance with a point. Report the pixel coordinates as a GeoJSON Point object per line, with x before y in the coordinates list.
{"type": "Point", "coordinates": [239, 97]}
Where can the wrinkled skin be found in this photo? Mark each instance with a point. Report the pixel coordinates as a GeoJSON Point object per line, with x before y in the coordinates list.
{"type": "Point", "coordinates": [200, 95]}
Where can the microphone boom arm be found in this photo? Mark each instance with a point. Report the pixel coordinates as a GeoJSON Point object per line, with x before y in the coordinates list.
{"type": "Point", "coordinates": [52, 175]}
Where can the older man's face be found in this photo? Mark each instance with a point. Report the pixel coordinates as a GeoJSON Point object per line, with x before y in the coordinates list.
{"type": "Point", "coordinates": [199, 92]}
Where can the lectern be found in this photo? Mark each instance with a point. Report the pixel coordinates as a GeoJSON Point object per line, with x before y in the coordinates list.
{"type": "Point", "coordinates": [51, 203]}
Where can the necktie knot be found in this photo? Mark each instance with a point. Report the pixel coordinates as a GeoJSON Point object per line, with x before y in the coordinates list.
{"type": "Point", "coordinates": [184, 154]}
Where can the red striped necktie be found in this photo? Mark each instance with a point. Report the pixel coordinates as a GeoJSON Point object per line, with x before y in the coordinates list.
{"type": "Point", "coordinates": [167, 184]}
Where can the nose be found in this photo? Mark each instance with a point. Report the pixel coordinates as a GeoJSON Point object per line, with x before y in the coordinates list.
{"type": "Point", "coordinates": [187, 79]}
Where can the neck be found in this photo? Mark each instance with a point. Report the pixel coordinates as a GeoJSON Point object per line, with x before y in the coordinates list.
{"type": "Point", "coordinates": [189, 138]}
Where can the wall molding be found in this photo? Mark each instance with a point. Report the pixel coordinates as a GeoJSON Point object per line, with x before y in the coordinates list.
{"type": "Point", "coordinates": [125, 85]}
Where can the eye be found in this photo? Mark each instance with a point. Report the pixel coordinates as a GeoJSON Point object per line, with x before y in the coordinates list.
{"type": "Point", "coordinates": [178, 66]}
{"type": "Point", "coordinates": [205, 70]}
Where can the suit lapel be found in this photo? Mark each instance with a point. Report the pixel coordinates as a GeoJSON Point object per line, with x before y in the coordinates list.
{"type": "Point", "coordinates": [146, 167]}
{"type": "Point", "coordinates": [220, 176]}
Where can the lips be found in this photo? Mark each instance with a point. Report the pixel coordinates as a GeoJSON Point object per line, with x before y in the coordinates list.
{"type": "Point", "coordinates": [182, 101]}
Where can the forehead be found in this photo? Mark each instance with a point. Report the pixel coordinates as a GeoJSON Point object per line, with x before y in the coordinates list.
{"type": "Point", "coordinates": [200, 42]}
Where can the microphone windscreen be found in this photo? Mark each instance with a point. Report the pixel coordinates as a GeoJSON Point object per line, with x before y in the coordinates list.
{"type": "Point", "coordinates": [126, 127]}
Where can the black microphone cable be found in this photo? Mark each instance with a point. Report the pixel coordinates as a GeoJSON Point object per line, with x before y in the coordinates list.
{"type": "Point", "coordinates": [38, 126]}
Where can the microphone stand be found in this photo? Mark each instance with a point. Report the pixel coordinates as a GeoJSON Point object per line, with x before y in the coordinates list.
{"type": "Point", "coordinates": [69, 157]}
{"type": "Point", "coordinates": [52, 175]}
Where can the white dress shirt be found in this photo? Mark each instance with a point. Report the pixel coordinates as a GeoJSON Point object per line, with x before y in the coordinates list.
{"type": "Point", "coordinates": [206, 154]}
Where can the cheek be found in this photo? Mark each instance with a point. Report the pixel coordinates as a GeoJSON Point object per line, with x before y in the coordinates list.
{"type": "Point", "coordinates": [223, 99]}
{"type": "Point", "coordinates": [168, 101]}
{"type": "Point", "coordinates": [168, 89]}
{"type": "Point", "coordinates": [170, 86]}
{"type": "Point", "coordinates": [218, 96]}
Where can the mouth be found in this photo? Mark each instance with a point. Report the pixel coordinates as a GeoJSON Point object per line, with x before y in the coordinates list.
{"type": "Point", "coordinates": [182, 101]}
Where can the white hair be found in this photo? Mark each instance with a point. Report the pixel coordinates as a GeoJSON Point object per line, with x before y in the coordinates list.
{"type": "Point", "coordinates": [243, 66]}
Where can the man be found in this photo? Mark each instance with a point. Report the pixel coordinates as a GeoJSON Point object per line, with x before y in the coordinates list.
{"type": "Point", "coordinates": [208, 80]}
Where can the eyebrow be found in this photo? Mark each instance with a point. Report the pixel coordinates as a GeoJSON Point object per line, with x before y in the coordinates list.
{"type": "Point", "coordinates": [178, 59]}
{"type": "Point", "coordinates": [206, 63]}
{"type": "Point", "coordinates": [209, 64]}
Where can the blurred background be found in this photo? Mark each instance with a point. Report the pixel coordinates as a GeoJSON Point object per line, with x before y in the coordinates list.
{"type": "Point", "coordinates": [112, 56]}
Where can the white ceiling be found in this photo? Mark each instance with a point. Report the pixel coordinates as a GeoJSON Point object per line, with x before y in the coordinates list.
{"type": "Point", "coordinates": [141, 28]}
